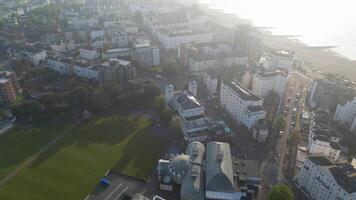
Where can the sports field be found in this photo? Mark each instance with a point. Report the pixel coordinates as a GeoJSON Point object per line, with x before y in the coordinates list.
{"type": "Point", "coordinates": [71, 168]}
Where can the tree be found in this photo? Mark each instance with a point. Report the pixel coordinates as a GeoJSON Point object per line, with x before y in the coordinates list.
{"type": "Point", "coordinates": [100, 101]}
{"type": "Point", "coordinates": [166, 115]}
{"type": "Point", "coordinates": [159, 103]}
{"type": "Point", "coordinates": [280, 192]}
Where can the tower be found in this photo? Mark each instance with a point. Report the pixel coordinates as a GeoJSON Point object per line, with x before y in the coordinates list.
{"type": "Point", "coordinates": [192, 87]}
{"type": "Point", "coordinates": [168, 93]}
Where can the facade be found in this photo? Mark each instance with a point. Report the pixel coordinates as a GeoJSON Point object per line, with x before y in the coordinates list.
{"type": "Point", "coordinates": [63, 46]}
{"type": "Point", "coordinates": [327, 95]}
{"type": "Point", "coordinates": [35, 56]}
{"type": "Point", "coordinates": [241, 104]}
{"type": "Point", "coordinates": [322, 138]}
{"type": "Point", "coordinates": [346, 114]}
{"type": "Point", "coordinates": [7, 91]}
{"type": "Point", "coordinates": [210, 81]}
{"type": "Point", "coordinates": [117, 53]}
{"type": "Point", "coordinates": [199, 57]}
{"type": "Point", "coordinates": [80, 68]}
{"type": "Point", "coordinates": [322, 179]}
{"type": "Point", "coordinates": [13, 78]}
{"type": "Point", "coordinates": [194, 124]}
{"type": "Point", "coordinates": [119, 71]}
{"type": "Point", "coordinates": [278, 59]}
{"type": "Point", "coordinates": [77, 23]}
{"type": "Point", "coordinates": [172, 39]}
{"type": "Point", "coordinates": [265, 82]}
{"type": "Point", "coordinates": [88, 53]}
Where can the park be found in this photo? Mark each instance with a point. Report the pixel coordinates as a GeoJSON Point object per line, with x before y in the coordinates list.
{"type": "Point", "coordinates": [71, 167]}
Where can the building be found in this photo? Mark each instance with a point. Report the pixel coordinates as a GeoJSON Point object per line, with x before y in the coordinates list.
{"type": "Point", "coordinates": [322, 138]}
{"type": "Point", "coordinates": [199, 57]}
{"type": "Point", "coordinates": [260, 132]}
{"type": "Point", "coordinates": [63, 46]}
{"type": "Point", "coordinates": [35, 56]}
{"type": "Point", "coordinates": [81, 68]}
{"type": "Point", "coordinates": [143, 54]}
{"type": "Point", "coordinates": [7, 91]}
{"type": "Point", "coordinates": [278, 59]}
{"type": "Point", "coordinates": [78, 23]}
{"type": "Point", "coordinates": [346, 114]}
{"type": "Point", "coordinates": [173, 38]}
{"type": "Point", "coordinates": [117, 53]}
{"type": "Point", "coordinates": [323, 179]}
{"type": "Point", "coordinates": [211, 82]}
{"type": "Point", "coordinates": [194, 123]}
{"type": "Point", "coordinates": [241, 104]}
{"type": "Point", "coordinates": [88, 53]}
{"type": "Point", "coordinates": [217, 180]}
{"type": "Point", "coordinates": [119, 71]}
{"type": "Point", "coordinates": [13, 78]}
{"type": "Point", "coordinates": [266, 82]}
{"type": "Point", "coordinates": [327, 95]}
{"type": "Point", "coordinates": [185, 170]}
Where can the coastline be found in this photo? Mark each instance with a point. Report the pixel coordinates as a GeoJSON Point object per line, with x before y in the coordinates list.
{"type": "Point", "coordinates": [327, 61]}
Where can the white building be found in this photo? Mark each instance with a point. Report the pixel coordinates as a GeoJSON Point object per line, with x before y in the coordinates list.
{"type": "Point", "coordinates": [171, 39]}
{"type": "Point", "coordinates": [265, 82]}
{"type": "Point", "coordinates": [35, 56]}
{"type": "Point", "coordinates": [210, 81]}
{"type": "Point", "coordinates": [63, 46]}
{"type": "Point", "coordinates": [88, 53]}
{"type": "Point", "coordinates": [322, 138]}
{"type": "Point", "coordinates": [346, 114]}
{"type": "Point", "coordinates": [143, 54]}
{"type": "Point", "coordinates": [198, 65]}
{"type": "Point", "coordinates": [194, 124]}
{"type": "Point", "coordinates": [322, 179]}
{"type": "Point", "coordinates": [193, 87]}
{"type": "Point", "coordinates": [241, 104]}
{"type": "Point", "coordinates": [83, 23]}
{"type": "Point", "coordinates": [321, 144]}
{"type": "Point", "coordinates": [278, 59]}
{"type": "Point", "coordinates": [80, 68]}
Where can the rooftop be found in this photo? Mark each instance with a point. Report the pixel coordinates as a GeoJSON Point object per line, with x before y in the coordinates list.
{"type": "Point", "coordinates": [320, 160]}
{"type": "Point", "coordinates": [186, 101]}
{"type": "Point", "coordinates": [219, 172]}
{"type": "Point", "coordinates": [243, 92]}
{"type": "Point", "coordinates": [271, 74]}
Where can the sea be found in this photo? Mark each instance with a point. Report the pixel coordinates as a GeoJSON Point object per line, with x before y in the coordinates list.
{"type": "Point", "coordinates": [315, 22]}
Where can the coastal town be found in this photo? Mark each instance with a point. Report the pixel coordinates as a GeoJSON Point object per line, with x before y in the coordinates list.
{"type": "Point", "coordinates": [164, 100]}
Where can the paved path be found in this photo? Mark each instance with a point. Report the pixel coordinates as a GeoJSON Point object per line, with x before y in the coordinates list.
{"type": "Point", "coordinates": [32, 158]}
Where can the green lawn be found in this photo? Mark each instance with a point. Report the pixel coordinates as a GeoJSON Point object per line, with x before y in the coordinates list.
{"type": "Point", "coordinates": [72, 168]}
{"type": "Point", "coordinates": [20, 143]}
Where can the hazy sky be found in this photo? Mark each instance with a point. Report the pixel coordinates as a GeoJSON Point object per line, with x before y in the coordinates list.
{"type": "Point", "coordinates": [321, 22]}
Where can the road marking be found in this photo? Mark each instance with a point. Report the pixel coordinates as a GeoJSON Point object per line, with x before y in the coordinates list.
{"type": "Point", "coordinates": [121, 193]}
{"type": "Point", "coordinates": [113, 192]}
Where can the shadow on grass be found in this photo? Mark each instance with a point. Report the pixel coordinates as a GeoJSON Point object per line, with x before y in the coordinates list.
{"type": "Point", "coordinates": [20, 143]}
{"type": "Point", "coordinates": [111, 131]}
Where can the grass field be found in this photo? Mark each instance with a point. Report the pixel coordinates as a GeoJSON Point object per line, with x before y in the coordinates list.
{"type": "Point", "coordinates": [20, 143]}
{"type": "Point", "coordinates": [71, 168]}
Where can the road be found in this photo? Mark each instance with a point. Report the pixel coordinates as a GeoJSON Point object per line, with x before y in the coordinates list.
{"type": "Point", "coordinates": [296, 84]}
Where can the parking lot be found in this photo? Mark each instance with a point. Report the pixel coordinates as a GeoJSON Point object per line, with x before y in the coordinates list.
{"type": "Point", "coordinates": [121, 188]}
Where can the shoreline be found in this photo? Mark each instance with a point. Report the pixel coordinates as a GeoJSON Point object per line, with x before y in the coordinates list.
{"type": "Point", "coordinates": [325, 60]}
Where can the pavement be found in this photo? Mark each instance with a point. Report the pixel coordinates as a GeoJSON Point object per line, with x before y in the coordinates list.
{"type": "Point", "coordinates": [121, 187]}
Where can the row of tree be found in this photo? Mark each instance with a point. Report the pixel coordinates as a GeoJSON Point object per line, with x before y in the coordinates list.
{"type": "Point", "coordinates": [78, 95]}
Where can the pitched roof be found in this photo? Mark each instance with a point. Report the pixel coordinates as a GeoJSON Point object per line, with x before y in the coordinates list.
{"type": "Point", "coordinates": [219, 172]}
{"type": "Point", "coordinates": [186, 101]}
